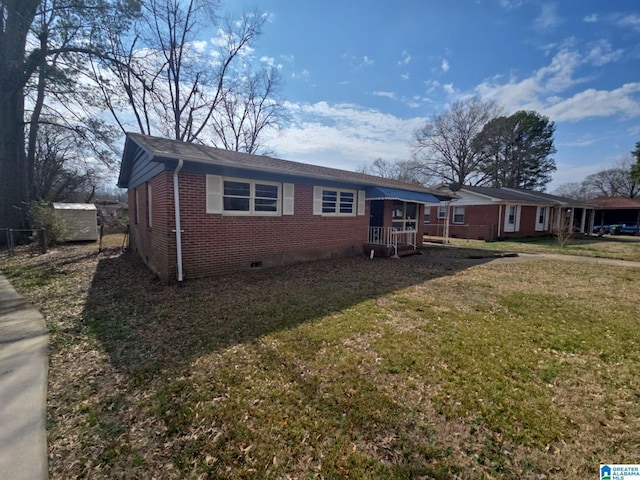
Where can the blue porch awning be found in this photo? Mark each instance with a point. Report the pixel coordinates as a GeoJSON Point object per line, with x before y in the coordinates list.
{"type": "Point", "coordinates": [384, 193]}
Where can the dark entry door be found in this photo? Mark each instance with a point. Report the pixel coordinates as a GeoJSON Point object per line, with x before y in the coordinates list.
{"type": "Point", "coordinates": [377, 213]}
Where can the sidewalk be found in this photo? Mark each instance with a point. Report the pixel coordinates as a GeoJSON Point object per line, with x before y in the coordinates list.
{"type": "Point", "coordinates": [24, 342]}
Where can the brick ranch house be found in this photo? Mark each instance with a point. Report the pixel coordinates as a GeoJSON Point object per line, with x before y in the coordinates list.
{"type": "Point", "coordinates": [199, 211]}
{"type": "Point", "coordinates": [486, 213]}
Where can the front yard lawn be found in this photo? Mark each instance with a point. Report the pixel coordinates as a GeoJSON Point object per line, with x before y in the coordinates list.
{"type": "Point", "coordinates": [422, 367]}
{"type": "Point", "coordinates": [615, 247]}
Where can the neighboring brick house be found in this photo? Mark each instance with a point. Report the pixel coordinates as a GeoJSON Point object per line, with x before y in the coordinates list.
{"type": "Point", "coordinates": [496, 213]}
{"type": "Point", "coordinates": [235, 211]}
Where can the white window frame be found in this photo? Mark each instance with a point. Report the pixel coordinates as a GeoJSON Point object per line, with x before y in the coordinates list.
{"type": "Point", "coordinates": [442, 212]}
{"type": "Point", "coordinates": [404, 219]}
{"type": "Point", "coordinates": [427, 214]}
{"type": "Point", "coordinates": [512, 226]}
{"type": "Point", "coordinates": [319, 203]}
{"type": "Point", "coordinates": [544, 225]}
{"type": "Point", "coordinates": [455, 210]}
{"type": "Point", "coordinates": [215, 197]}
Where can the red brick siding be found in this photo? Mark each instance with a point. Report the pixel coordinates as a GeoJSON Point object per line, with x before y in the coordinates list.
{"type": "Point", "coordinates": [154, 244]}
{"type": "Point", "coordinates": [481, 222]}
{"type": "Point", "coordinates": [214, 244]}
{"type": "Point", "coordinates": [527, 223]}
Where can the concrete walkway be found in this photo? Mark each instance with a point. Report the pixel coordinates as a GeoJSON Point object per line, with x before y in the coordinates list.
{"type": "Point", "coordinates": [24, 343]}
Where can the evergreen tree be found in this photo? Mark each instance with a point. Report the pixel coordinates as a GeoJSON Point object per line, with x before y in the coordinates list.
{"type": "Point", "coordinates": [516, 151]}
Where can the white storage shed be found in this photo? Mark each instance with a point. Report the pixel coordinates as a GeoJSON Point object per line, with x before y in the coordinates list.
{"type": "Point", "coordinates": [80, 220]}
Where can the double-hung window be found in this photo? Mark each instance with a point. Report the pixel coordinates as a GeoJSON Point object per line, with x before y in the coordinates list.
{"type": "Point", "coordinates": [337, 202]}
{"type": "Point", "coordinates": [250, 198]}
{"type": "Point", "coordinates": [236, 196]}
{"type": "Point", "coordinates": [458, 214]}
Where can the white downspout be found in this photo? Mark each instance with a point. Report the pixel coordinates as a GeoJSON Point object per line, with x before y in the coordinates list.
{"type": "Point", "coordinates": [500, 220]}
{"type": "Point", "coordinates": [176, 199]}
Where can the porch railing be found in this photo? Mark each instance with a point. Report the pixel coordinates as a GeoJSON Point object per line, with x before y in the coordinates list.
{"type": "Point", "coordinates": [392, 237]}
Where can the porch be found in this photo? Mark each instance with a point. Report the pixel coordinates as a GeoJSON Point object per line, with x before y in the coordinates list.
{"type": "Point", "coordinates": [391, 242]}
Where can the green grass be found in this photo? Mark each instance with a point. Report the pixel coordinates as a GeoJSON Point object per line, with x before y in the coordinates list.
{"type": "Point", "coordinates": [423, 367]}
{"type": "Point", "coordinates": [614, 247]}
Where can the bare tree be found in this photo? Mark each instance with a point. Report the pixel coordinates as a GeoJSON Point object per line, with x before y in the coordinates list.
{"type": "Point", "coordinates": [36, 38]}
{"type": "Point", "coordinates": [64, 169]}
{"type": "Point", "coordinates": [614, 182]}
{"type": "Point", "coordinates": [409, 171]}
{"type": "Point", "coordinates": [574, 190]}
{"type": "Point", "coordinates": [247, 110]}
{"type": "Point", "coordinates": [444, 146]}
{"type": "Point", "coordinates": [172, 83]}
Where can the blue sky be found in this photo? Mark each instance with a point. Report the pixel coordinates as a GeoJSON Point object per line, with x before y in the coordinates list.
{"type": "Point", "coordinates": [361, 76]}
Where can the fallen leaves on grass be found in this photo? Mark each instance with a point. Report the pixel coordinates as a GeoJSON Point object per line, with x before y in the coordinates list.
{"type": "Point", "coordinates": [426, 367]}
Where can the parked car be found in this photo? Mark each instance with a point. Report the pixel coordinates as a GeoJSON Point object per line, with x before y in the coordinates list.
{"type": "Point", "coordinates": [629, 230]}
{"type": "Point", "coordinates": [624, 229]}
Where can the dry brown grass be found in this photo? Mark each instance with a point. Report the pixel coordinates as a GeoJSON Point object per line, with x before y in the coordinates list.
{"type": "Point", "coordinates": [426, 367]}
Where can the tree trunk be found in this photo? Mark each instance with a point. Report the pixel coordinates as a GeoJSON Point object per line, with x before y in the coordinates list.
{"type": "Point", "coordinates": [17, 17]}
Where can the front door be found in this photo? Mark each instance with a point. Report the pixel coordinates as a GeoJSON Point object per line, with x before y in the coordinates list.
{"type": "Point", "coordinates": [377, 213]}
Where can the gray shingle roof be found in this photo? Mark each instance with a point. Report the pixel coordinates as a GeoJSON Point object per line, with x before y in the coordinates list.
{"type": "Point", "coordinates": [521, 195]}
{"type": "Point", "coordinates": [165, 149]}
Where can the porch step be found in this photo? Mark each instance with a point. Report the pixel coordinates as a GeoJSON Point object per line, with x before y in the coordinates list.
{"type": "Point", "coordinates": [382, 251]}
{"type": "Point", "coordinates": [406, 250]}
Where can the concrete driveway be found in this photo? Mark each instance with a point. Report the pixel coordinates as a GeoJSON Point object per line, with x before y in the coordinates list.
{"type": "Point", "coordinates": [24, 344]}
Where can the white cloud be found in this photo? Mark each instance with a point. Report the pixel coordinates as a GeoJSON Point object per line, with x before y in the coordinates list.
{"type": "Point", "coordinates": [303, 74]}
{"type": "Point", "coordinates": [631, 20]}
{"type": "Point", "coordinates": [358, 62]}
{"type": "Point", "coordinates": [366, 62]}
{"type": "Point", "coordinates": [200, 46]}
{"type": "Point", "coordinates": [509, 4]}
{"type": "Point", "coordinates": [602, 52]}
{"type": "Point", "coordinates": [449, 89]}
{"type": "Point", "coordinates": [445, 65]}
{"type": "Point", "coordinates": [548, 18]}
{"type": "Point", "coordinates": [546, 90]}
{"type": "Point", "coordinates": [593, 18]}
{"type": "Point", "coordinates": [405, 76]}
{"type": "Point", "coordinates": [343, 135]}
{"type": "Point", "coordinates": [528, 93]}
{"type": "Point", "coordinates": [598, 103]}
{"type": "Point", "coordinates": [582, 141]}
{"type": "Point", "coordinates": [389, 95]}
{"type": "Point", "coordinates": [406, 58]}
